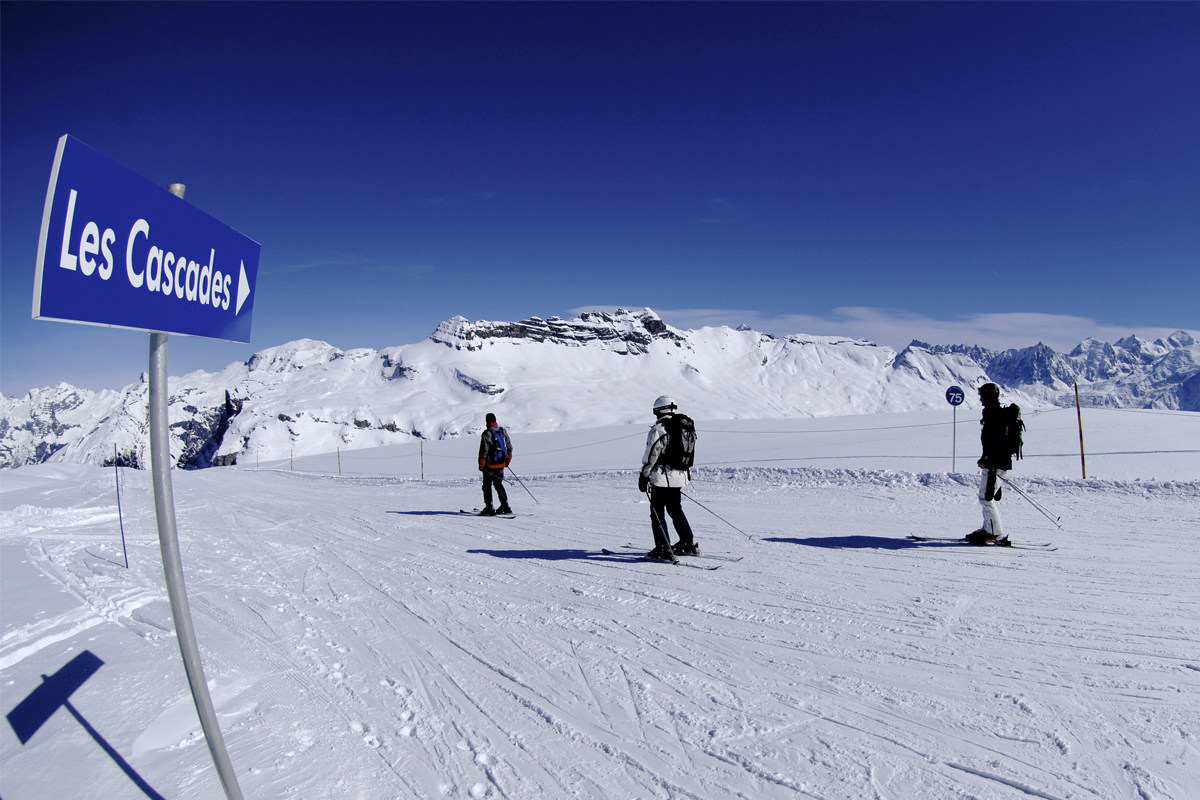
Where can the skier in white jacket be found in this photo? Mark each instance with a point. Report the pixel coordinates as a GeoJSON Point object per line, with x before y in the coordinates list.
{"type": "Point", "coordinates": [665, 486]}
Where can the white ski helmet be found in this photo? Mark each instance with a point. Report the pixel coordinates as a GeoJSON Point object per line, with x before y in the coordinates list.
{"type": "Point", "coordinates": [664, 404]}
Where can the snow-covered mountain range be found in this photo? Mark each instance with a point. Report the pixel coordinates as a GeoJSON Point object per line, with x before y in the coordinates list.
{"type": "Point", "coordinates": [597, 369]}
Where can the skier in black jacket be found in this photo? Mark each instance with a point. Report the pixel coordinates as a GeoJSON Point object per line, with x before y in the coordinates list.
{"type": "Point", "coordinates": [665, 486]}
{"type": "Point", "coordinates": [995, 462]}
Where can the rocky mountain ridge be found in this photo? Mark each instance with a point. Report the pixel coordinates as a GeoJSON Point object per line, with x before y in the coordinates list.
{"type": "Point", "coordinates": [628, 333]}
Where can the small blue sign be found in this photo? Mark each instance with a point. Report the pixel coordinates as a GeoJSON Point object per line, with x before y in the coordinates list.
{"type": "Point", "coordinates": [118, 250]}
{"type": "Point", "coordinates": [955, 395]}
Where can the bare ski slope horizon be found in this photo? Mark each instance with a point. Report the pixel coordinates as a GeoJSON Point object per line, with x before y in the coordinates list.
{"type": "Point", "coordinates": [362, 639]}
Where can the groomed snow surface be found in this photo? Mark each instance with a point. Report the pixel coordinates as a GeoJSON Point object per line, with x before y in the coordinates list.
{"type": "Point", "coordinates": [364, 640]}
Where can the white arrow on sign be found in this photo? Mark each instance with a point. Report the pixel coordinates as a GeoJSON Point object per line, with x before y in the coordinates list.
{"type": "Point", "coordinates": [243, 288]}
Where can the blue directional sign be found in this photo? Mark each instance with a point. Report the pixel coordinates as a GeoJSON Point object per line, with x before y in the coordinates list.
{"type": "Point", "coordinates": [118, 250]}
{"type": "Point", "coordinates": [955, 395]}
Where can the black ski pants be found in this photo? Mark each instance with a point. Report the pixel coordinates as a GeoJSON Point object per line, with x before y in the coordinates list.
{"type": "Point", "coordinates": [668, 500]}
{"type": "Point", "coordinates": [494, 477]}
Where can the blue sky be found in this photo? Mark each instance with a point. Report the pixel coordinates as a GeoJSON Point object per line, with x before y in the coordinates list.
{"type": "Point", "coordinates": [984, 173]}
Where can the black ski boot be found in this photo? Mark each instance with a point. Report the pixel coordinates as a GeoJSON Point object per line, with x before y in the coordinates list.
{"type": "Point", "coordinates": [685, 549]}
{"type": "Point", "coordinates": [661, 554]}
{"type": "Point", "coordinates": [504, 509]}
{"type": "Point", "coordinates": [980, 537]}
{"type": "Point", "coordinates": [488, 511]}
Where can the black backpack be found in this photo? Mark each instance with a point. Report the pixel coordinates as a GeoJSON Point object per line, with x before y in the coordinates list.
{"type": "Point", "coordinates": [498, 448]}
{"type": "Point", "coordinates": [1014, 427]}
{"type": "Point", "coordinates": [680, 452]}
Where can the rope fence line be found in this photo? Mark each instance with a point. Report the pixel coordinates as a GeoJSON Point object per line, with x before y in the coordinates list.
{"type": "Point", "coordinates": [964, 421]}
{"type": "Point", "coordinates": [843, 430]}
{"type": "Point", "coordinates": [933, 457]}
{"type": "Point", "coordinates": [713, 464]}
{"type": "Point", "coordinates": [1112, 453]}
{"type": "Point", "coordinates": [349, 453]}
{"type": "Point", "coordinates": [793, 459]}
{"type": "Point", "coordinates": [472, 458]}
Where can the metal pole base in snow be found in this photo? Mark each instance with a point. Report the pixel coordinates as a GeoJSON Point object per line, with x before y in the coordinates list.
{"type": "Point", "coordinates": [168, 540]}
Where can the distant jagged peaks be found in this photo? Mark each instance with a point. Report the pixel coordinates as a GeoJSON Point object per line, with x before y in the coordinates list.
{"type": "Point", "coordinates": [629, 332]}
{"type": "Point", "coordinates": [1129, 373]}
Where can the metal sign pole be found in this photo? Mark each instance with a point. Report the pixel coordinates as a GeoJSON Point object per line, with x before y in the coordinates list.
{"type": "Point", "coordinates": [954, 396]}
{"type": "Point", "coordinates": [168, 540]}
{"type": "Point", "coordinates": [954, 443]}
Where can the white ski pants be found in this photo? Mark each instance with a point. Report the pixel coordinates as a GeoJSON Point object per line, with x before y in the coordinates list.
{"type": "Point", "coordinates": [991, 514]}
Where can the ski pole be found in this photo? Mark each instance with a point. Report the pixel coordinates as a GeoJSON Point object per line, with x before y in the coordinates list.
{"type": "Point", "coordinates": [1033, 502]}
{"type": "Point", "coordinates": [718, 516]}
{"type": "Point", "coordinates": [523, 486]}
{"type": "Point", "coordinates": [1050, 516]}
{"type": "Point", "coordinates": [662, 526]}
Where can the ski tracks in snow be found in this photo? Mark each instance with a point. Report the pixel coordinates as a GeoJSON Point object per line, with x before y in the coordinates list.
{"type": "Point", "coordinates": [375, 644]}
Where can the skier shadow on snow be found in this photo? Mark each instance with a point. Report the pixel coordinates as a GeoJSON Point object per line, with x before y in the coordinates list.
{"type": "Point", "coordinates": [552, 555]}
{"type": "Point", "coordinates": [849, 542]}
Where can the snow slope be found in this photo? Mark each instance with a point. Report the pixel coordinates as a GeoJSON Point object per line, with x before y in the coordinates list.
{"type": "Point", "coordinates": [363, 640]}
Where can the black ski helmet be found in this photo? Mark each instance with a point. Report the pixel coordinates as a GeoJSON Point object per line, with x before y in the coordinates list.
{"type": "Point", "coordinates": [989, 390]}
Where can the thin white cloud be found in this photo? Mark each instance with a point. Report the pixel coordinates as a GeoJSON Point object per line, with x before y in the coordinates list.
{"type": "Point", "coordinates": [896, 328]}
{"type": "Point", "coordinates": [283, 269]}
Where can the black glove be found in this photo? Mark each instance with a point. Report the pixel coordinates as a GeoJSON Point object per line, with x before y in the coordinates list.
{"type": "Point", "coordinates": [643, 483]}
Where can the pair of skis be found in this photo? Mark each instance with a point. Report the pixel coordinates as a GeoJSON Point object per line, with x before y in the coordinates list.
{"type": "Point", "coordinates": [676, 560]}
{"type": "Point", "coordinates": [479, 513]}
{"type": "Point", "coordinates": [1044, 547]}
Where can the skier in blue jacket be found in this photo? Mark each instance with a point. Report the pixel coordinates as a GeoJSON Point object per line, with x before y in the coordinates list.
{"type": "Point", "coordinates": [495, 453]}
